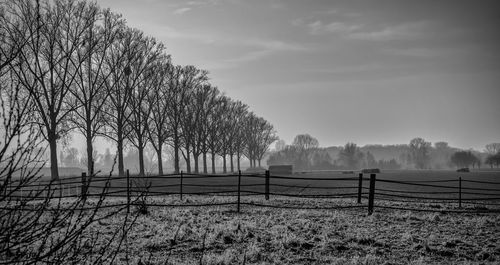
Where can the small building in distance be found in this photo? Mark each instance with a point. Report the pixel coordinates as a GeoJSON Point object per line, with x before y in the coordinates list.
{"type": "Point", "coordinates": [281, 170]}
{"type": "Point", "coordinates": [370, 170]}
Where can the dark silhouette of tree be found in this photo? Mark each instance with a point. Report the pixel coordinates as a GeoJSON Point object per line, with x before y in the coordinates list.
{"type": "Point", "coordinates": [492, 148]}
{"type": "Point", "coordinates": [260, 135]}
{"type": "Point", "coordinates": [216, 121]}
{"type": "Point", "coordinates": [47, 66]}
{"type": "Point", "coordinates": [89, 91]}
{"type": "Point", "coordinates": [175, 98]}
{"type": "Point", "coordinates": [305, 145]}
{"type": "Point", "coordinates": [419, 151]}
{"type": "Point", "coordinates": [191, 80]}
{"type": "Point", "coordinates": [240, 113]}
{"type": "Point", "coordinates": [493, 159]}
{"type": "Point", "coordinates": [350, 155]}
{"type": "Point", "coordinates": [464, 159]}
{"type": "Point", "coordinates": [119, 87]}
{"type": "Point", "coordinates": [203, 100]}
{"type": "Point", "coordinates": [159, 127]}
{"type": "Point", "coordinates": [144, 73]}
{"type": "Point", "coordinates": [305, 142]}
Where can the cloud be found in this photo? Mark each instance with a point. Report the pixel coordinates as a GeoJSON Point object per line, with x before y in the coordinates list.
{"type": "Point", "coordinates": [223, 40]}
{"type": "Point", "coordinates": [182, 10]}
{"type": "Point", "coordinates": [251, 56]}
{"type": "Point", "coordinates": [403, 31]}
{"type": "Point", "coordinates": [318, 28]}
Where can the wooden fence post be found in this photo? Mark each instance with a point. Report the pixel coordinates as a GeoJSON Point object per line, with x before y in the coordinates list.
{"type": "Point", "coordinates": [182, 177]}
{"type": "Point", "coordinates": [128, 191]}
{"type": "Point", "coordinates": [371, 196]}
{"type": "Point", "coordinates": [84, 186]}
{"type": "Point", "coordinates": [460, 192]}
{"type": "Point", "coordinates": [239, 189]}
{"type": "Point", "coordinates": [267, 185]}
{"type": "Point", "coordinates": [360, 187]}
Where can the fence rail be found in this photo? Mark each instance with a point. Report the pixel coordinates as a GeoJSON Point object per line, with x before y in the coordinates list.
{"type": "Point", "coordinates": [380, 193]}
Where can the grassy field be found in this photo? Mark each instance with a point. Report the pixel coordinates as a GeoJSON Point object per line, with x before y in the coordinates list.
{"type": "Point", "coordinates": [266, 235]}
{"type": "Point", "coordinates": [219, 235]}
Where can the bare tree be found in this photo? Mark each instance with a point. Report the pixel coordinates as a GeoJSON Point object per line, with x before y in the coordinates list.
{"type": "Point", "coordinates": [305, 145]}
{"type": "Point", "coordinates": [266, 136]}
{"type": "Point", "coordinates": [208, 121]}
{"type": "Point", "coordinates": [351, 155]}
{"type": "Point", "coordinates": [224, 132]}
{"type": "Point", "coordinates": [176, 97]}
{"type": "Point", "coordinates": [216, 121]}
{"type": "Point", "coordinates": [492, 148]}
{"type": "Point", "coordinates": [305, 141]}
{"type": "Point", "coordinates": [203, 99]}
{"type": "Point", "coordinates": [149, 54]}
{"type": "Point", "coordinates": [89, 90]}
{"type": "Point", "coordinates": [119, 89]}
{"type": "Point", "coordinates": [236, 136]}
{"type": "Point", "coordinates": [159, 128]}
{"type": "Point", "coordinates": [47, 66]}
{"type": "Point", "coordinates": [419, 150]}
{"type": "Point", "coordinates": [260, 135]}
{"type": "Point", "coordinates": [192, 79]}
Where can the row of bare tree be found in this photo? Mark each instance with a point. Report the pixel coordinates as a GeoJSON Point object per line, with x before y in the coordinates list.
{"type": "Point", "coordinates": [80, 67]}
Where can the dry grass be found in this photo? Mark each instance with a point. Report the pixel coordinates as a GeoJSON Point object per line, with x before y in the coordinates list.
{"type": "Point", "coordinates": [218, 235]}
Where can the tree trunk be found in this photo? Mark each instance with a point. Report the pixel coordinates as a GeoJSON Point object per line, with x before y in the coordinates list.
{"type": "Point", "coordinates": [119, 147]}
{"type": "Point", "coordinates": [196, 163]}
{"type": "Point", "coordinates": [238, 160]}
{"type": "Point", "coordinates": [213, 162]}
{"type": "Point", "coordinates": [54, 170]}
{"type": "Point", "coordinates": [259, 162]}
{"type": "Point", "coordinates": [160, 163]}
{"type": "Point", "coordinates": [205, 163]}
{"type": "Point", "coordinates": [188, 161]}
{"type": "Point", "coordinates": [141, 159]}
{"type": "Point", "coordinates": [176, 154]}
{"type": "Point", "coordinates": [224, 168]}
{"type": "Point", "coordinates": [231, 162]}
{"type": "Point", "coordinates": [90, 151]}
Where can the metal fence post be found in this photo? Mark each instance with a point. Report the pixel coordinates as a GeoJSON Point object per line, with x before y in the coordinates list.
{"type": "Point", "coordinates": [460, 192]}
{"type": "Point", "coordinates": [128, 191]}
{"type": "Point", "coordinates": [267, 185]}
{"type": "Point", "coordinates": [239, 188]}
{"type": "Point", "coordinates": [84, 186]}
{"type": "Point", "coordinates": [371, 196]}
{"type": "Point", "coordinates": [360, 187]}
{"type": "Point", "coordinates": [182, 177]}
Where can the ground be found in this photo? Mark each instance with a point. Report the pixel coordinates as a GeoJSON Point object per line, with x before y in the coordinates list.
{"type": "Point", "coordinates": [220, 235]}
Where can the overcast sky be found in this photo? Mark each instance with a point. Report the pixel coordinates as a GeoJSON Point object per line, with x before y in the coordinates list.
{"type": "Point", "coordinates": [369, 72]}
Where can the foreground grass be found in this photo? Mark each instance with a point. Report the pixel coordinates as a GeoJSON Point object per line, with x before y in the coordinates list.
{"type": "Point", "coordinates": [219, 235]}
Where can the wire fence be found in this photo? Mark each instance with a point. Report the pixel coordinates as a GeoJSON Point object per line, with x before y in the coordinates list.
{"type": "Point", "coordinates": [276, 191]}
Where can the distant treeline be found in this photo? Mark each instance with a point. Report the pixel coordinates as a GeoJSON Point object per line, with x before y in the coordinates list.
{"type": "Point", "coordinates": [305, 154]}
